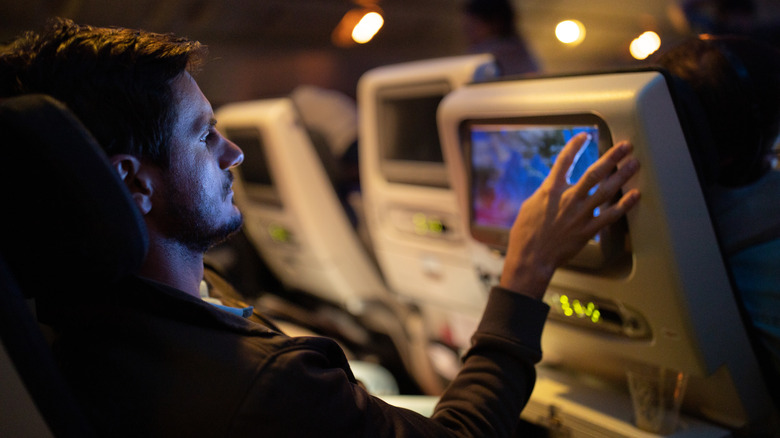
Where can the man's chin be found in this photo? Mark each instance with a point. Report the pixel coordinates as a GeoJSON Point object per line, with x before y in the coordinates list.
{"type": "Point", "coordinates": [234, 224]}
{"type": "Point", "coordinates": [232, 227]}
{"type": "Point", "coordinates": [228, 230]}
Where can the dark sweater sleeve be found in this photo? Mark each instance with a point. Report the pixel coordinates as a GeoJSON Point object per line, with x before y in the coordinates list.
{"type": "Point", "coordinates": [306, 388]}
{"type": "Point", "coordinates": [498, 374]}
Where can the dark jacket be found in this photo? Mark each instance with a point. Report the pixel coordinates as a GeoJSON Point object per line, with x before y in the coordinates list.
{"type": "Point", "coordinates": [148, 360]}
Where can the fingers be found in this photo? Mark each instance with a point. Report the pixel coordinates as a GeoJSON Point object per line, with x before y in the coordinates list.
{"type": "Point", "coordinates": [615, 211]}
{"type": "Point", "coordinates": [601, 173]}
{"type": "Point", "coordinates": [557, 220]}
{"type": "Point", "coordinates": [567, 156]}
{"type": "Point", "coordinates": [609, 183]}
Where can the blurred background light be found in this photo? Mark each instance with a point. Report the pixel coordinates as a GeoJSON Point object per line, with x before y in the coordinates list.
{"type": "Point", "coordinates": [570, 32]}
{"type": "Point", "coordinates": [367, 27]}
{"type": "Point", "coordinates": [359, 25]}
{"type": "Point", "coordinates": [645, 45]}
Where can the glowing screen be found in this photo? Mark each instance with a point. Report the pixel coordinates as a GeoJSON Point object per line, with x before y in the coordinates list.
{"type": "Point", "coordinates": [509, 162]}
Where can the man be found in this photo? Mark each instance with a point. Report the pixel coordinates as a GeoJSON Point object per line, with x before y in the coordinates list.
{"type": "Point", "coordinates": [148, 357]}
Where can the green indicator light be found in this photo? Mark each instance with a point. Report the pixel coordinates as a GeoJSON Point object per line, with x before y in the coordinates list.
{"type": "Point", "coordinates": [567, 311]}
{"type": "Point", "coordinates": [564, 299]}
{"type": "Point", "coordinates": [596, 316]}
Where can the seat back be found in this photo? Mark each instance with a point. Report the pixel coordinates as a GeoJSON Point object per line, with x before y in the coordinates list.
{"type": "Point", "coordinates": [292, 212]}
{"type": "Point", "coordinates": [295, 218]}
{"type": "Point", "coordinates": [410, 207]}
{"type": "Point", "coordinates": [664, 298]}
{"type": "Point", "coordinates": [70, 225]}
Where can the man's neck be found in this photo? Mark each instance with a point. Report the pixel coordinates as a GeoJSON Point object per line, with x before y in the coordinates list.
{"type": "Point", "coordinates": [174, 266]}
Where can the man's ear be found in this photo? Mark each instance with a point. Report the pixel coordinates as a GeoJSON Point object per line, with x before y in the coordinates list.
{"type": "Point", "coordinates": [137, 178]}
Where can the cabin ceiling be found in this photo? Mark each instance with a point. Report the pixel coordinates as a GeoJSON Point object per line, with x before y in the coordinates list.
{"type": "Point", "coordinates": [262, 48]}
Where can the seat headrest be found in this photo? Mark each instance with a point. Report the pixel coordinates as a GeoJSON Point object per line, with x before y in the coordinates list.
{"type": "Point", "coordinates": [68, 218]}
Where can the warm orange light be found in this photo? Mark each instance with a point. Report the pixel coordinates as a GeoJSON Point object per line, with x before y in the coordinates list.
{"type": "Point", "coordinates": [570, 32]}
{"type": "Point", "coordinates": [358, 26]}
{"type": "Point", "coordinates": [645, 45]}
{"type": "Point", "coordinates": [367, 27]}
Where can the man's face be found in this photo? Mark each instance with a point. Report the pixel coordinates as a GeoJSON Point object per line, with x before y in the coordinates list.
{"type": "Point", "coordinates": [195, 200]}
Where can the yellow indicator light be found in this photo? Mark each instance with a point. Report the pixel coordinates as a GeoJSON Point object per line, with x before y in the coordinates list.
{"type": "Point", "coordinates": [565, 307]}
{"type": "Point", "coordinates": [424, 225]}
{"type": "Point", "coordinates": [279, 233]}
{"type": "Point", "coordinates": [435, 226]}
{"type": "Point", "coordinates": [578, 308]}
{"type": "Point", "coordinates": [420, 223]}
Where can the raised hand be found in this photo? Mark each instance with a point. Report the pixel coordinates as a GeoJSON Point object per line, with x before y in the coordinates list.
{"type": "Point", "coordinates": [557, 221]}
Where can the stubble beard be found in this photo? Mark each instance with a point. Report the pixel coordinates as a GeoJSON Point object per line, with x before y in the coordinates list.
{"type": "Point", "coordinates": [192, 222]}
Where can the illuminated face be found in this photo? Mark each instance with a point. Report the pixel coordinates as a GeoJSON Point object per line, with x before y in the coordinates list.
{"type": "Point", "coordinates": [195, 202]}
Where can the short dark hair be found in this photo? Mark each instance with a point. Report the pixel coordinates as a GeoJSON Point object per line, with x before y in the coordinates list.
{"type": "Point", "coordinates": [737, 83]}
{"type": "Point", "coordinates": [116, 81]}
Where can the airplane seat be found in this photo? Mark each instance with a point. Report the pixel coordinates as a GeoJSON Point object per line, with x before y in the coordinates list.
{"type": "Point", "coordinates": [301, 227]}
{"type": "Point", "coordinates": [296, 221]}
{"type": "Point", "coordinates": [653, 290]}
{"type": "Point", "coordinates": [330, 118]}
{"type": "Point", "coordinates": [69, 219]}
{"type": "Point", "coordinates": [411, 211]}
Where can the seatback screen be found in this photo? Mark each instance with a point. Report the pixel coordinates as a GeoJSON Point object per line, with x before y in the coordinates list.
{"type": "Point", "coordinates": [509, 162]}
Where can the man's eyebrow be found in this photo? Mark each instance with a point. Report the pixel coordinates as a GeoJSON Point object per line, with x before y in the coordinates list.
{"type": "Point", "coordinates": [204, 122]}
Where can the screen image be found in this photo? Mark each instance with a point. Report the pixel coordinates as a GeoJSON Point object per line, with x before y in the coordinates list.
{"type": "Point", "coordinates": [509, 162]}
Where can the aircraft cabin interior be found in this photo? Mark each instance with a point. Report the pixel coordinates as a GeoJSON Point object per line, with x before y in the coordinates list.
{"type": "Point", "coordinates": [380, 180]}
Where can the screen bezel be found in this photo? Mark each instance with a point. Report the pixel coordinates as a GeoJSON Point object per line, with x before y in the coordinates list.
{"type": "Point", "coordinates": [597, 251]}
{"type": "Point", "coordinates": [257, 191]}
{"type": "Point", "coordinates": [425, 173]}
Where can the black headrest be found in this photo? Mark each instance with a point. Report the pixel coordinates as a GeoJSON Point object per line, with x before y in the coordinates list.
{"type": "Point", "coordinates": [68, 219]}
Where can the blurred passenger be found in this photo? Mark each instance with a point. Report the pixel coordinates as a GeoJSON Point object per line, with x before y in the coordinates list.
{"type": "Point", "coordinates": [736, 84]}
{"type": "Point", "coordinates": [720, 16]}
{"type": "Point", "coordinates": [730, 17]}
{"type": "Point", "coordinates": [490, 27]}
{"type": "Point", "coordinates": [149, 357]}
